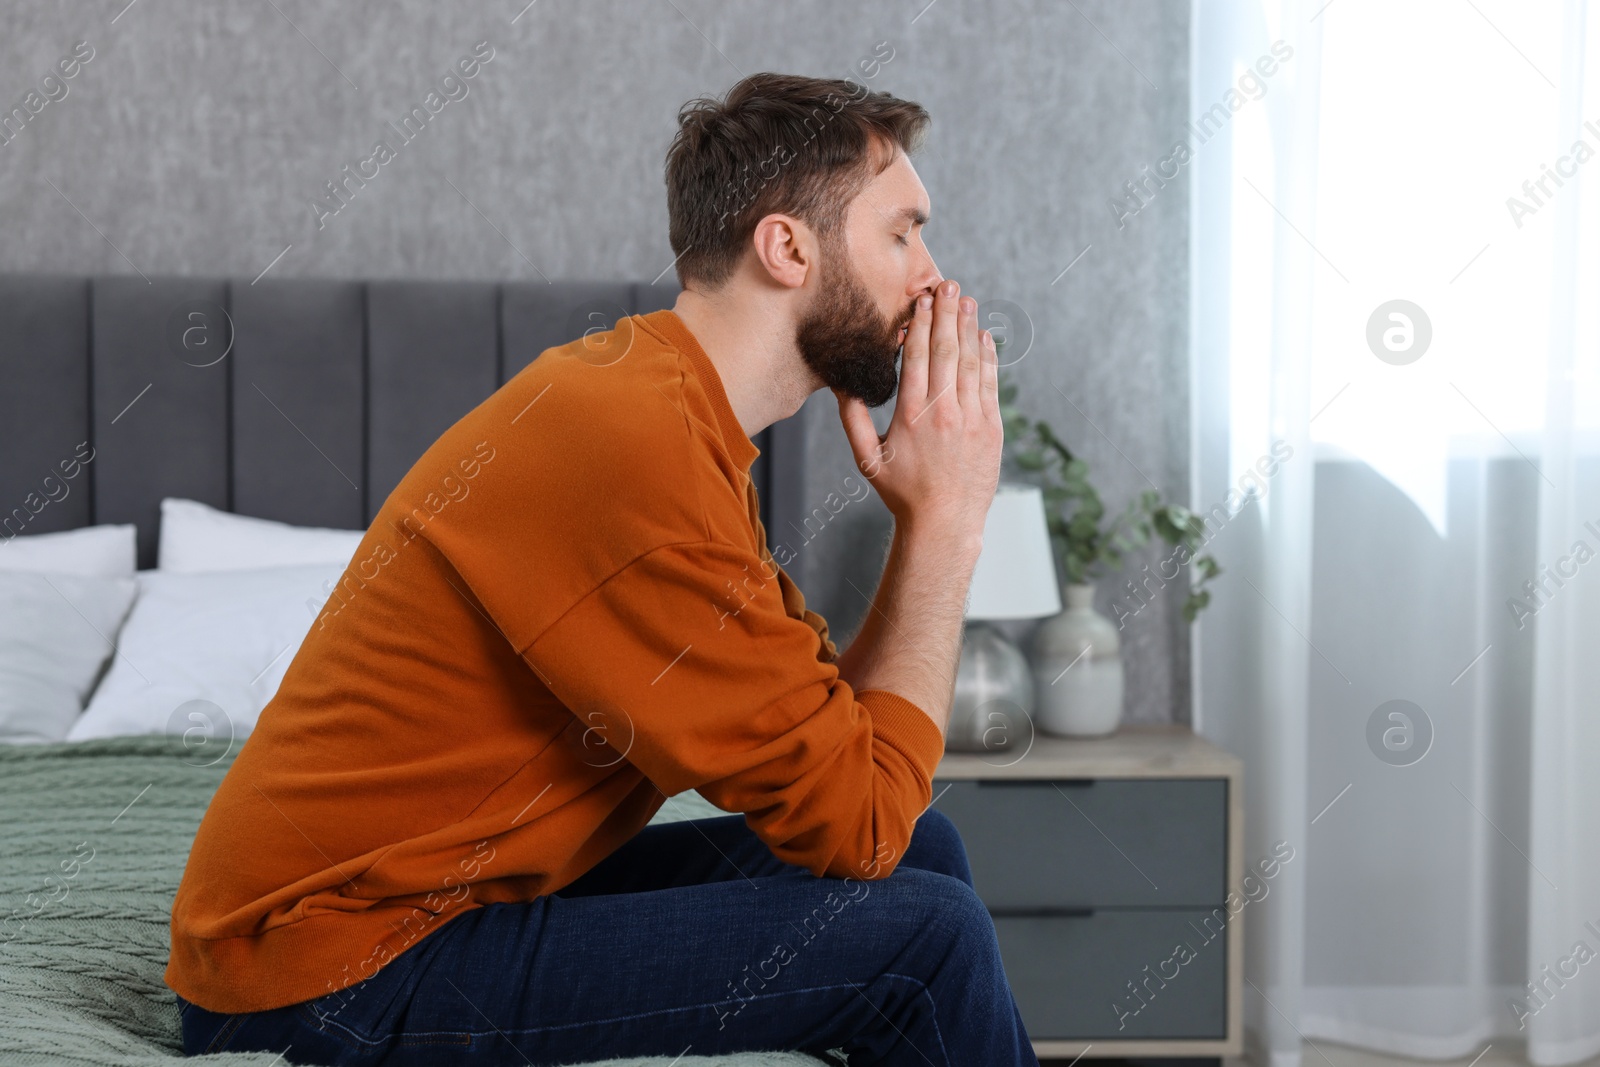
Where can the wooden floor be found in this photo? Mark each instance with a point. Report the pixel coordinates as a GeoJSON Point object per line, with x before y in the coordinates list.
{"type": "Point", "coordinates": [1500, 1053]}
{"type": "Point", "coordinates": [1505, 1053]}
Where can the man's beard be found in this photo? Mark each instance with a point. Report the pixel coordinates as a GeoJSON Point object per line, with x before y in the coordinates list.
{"type": "Point", "coordinates": [845, 340]}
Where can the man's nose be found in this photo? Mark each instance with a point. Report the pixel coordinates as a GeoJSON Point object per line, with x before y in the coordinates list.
{"type": "Point", "coordinates": [934, 276]}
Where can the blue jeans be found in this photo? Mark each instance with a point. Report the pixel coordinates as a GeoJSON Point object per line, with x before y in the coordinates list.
{"type": "Point", "coordinates": [692, 938]}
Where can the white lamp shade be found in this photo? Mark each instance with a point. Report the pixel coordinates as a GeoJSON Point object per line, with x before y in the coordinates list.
{"type": "Point", "coordinates": [1016, 573]}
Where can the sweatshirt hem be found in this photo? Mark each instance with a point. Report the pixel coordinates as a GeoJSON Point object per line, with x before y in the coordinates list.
{"type": "Point", "coordinates": [283, 964]}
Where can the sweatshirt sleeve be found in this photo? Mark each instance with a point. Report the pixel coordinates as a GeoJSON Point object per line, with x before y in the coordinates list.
{"type": "Point", "coordinates": [704, 679]}
{"type": "Point", "coordinates": [794, 602]}
{"type": "Point", "coordinates": [828, 652]}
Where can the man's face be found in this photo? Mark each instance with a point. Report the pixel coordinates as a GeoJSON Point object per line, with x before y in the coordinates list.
{"type": "Point", "coordinates": [872, 272]}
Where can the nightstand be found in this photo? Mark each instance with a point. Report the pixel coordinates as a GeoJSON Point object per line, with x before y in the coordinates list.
{"type": "Point", "coordinates": [1097, 858]}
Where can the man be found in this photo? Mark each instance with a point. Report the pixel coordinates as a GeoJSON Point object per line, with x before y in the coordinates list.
{"type": "Point", "coordinates": [433, 846]}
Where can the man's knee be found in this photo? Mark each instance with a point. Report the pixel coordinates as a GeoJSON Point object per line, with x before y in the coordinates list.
{"type": "Point", "coordinates": [941, 907]}
{"type": "Point", "coordinates": [936, 845]}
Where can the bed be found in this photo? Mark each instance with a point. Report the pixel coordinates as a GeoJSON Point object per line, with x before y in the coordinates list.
{"type": "Point", "coordinates": [297, 402]}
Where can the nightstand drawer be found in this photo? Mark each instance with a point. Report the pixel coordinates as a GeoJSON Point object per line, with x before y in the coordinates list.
{"type": "Point", "coordinates": [1070, 974]}
{"type": "Point", "coordinates": [1105, 842]}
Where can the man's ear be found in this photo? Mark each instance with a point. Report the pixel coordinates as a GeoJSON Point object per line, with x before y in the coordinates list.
{"type": "Point", "coordinates": [785, 248]}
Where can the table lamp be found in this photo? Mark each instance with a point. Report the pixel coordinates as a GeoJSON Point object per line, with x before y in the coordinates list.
{"type": "Point", "coordinates": [1015, 579]}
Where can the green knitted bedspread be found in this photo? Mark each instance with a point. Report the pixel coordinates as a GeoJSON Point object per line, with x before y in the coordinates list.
{"type": "Point", "coordinates": [93, 840]}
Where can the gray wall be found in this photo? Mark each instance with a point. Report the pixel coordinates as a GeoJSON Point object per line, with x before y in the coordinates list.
{"type": "Point", "coordinates": [198, 136]}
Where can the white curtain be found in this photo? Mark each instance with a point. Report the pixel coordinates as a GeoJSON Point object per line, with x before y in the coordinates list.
{"type": "Point", "coordinates": [1395, 331]}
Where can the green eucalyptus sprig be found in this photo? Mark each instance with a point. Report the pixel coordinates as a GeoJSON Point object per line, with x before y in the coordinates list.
{"type": "Point", "coordinates": [1086, 546]}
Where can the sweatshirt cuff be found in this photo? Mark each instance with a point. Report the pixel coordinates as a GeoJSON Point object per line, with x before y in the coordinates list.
{"type": "Point", "coordinates": [906, 727]}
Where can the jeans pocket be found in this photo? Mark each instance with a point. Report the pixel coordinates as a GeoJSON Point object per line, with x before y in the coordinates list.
{"type": "Point", "coordinates": [205, 1031]}
{"type": "Point", "coordinates": [362, 1016]}
{"type": "Point", "coordinates": [351, 1017]}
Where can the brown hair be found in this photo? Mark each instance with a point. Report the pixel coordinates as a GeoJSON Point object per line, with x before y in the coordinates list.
{"type": "Point", "coordinates": [777, 142]}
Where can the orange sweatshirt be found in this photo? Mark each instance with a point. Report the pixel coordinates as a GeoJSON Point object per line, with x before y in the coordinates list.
{"type": "Point", "coordinates": [565, 613]}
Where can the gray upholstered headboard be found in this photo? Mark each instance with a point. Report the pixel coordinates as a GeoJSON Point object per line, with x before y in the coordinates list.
{"type": "Point", "coordinates": [302, 400]}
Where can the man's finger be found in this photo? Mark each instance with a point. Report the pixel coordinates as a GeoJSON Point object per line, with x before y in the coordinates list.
{"type": "Point", "coordinates": [914, 354]}
{"type": "Point", "coordinates": [968, 365]}
{"type": "Point", "coordinates": [989, 385]}
{"type": "Point", "coordinates": [944, 346]}
{"type": "Point", "coordinates": [865, 441]}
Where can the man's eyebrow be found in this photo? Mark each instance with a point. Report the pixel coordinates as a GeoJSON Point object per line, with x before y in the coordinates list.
{"type": "Point", "coordinates": [912, 215]}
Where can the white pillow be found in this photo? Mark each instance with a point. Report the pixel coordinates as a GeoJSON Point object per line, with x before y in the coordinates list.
{"type": "Point", "coordinates": [90, 552]}
{"type": "Point", "coordinates": [224, 638]}
{"type": "Point", "coordinates": [55, 634]}
{"type": "Point", "coordinates": [197, 538]}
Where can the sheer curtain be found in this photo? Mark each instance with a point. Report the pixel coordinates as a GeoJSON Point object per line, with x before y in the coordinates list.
{"type": "Point", "coordinates": [1395, 330]}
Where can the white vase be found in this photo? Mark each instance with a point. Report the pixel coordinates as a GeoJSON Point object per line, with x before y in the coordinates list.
{"type": "Point", "coordinates": [1077, 669]}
